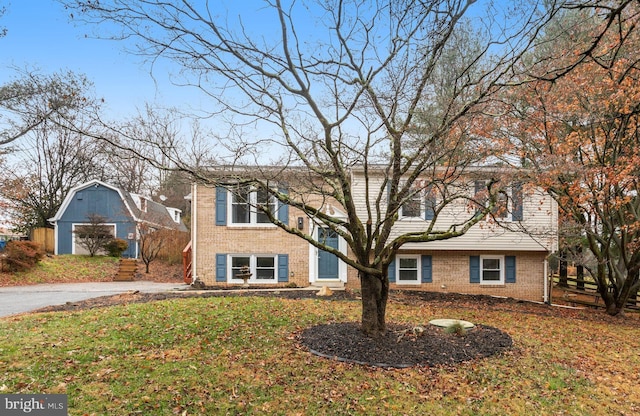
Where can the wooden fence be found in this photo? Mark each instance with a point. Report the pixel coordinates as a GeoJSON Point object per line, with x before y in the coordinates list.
{"type": "Point", "coordinates": [45, 237]}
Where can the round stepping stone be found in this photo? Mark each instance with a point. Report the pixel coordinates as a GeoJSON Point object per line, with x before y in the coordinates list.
{"type": "Point", "coordinates": [445, 323]}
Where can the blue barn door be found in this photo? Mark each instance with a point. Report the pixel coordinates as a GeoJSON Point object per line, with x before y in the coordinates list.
{"type": "Point", "coordinates": [327, 262]}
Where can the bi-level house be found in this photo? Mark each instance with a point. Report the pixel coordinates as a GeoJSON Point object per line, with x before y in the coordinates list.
{"type": "Point", "coordinates": [502, 255]}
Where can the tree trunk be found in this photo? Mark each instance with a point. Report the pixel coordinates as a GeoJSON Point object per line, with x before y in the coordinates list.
{"type": "Point", "coordinates": [613, 308]}
{"type": "Point", "coordinates": [563, 269]}
{"type": "Point", "coordinates": [375, 293]}
{"type": "Point", "coordinates": [580, 276]}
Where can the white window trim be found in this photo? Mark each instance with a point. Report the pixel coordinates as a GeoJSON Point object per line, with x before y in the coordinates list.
{"type": "Point", "coordinates": [502, 270]}
{"type": "Point", "coordinates": [253, 211]}
{"type": "Point", "coordinates": [252, 267]}
{"type": "Point", "coordinates": [418, 265]}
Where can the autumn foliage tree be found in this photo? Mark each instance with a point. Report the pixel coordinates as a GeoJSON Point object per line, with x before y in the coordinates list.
{"type": "Point", "coordinates": [578, 137]}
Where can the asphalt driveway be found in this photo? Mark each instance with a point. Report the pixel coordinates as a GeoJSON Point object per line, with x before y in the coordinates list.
{"type": "Point", "coordinates": [18, 299]}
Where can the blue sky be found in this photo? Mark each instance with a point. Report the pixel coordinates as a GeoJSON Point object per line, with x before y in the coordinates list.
{"type": "Point", "coordinates": [41, 36]}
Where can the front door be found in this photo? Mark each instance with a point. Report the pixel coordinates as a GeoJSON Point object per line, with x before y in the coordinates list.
{"type": "Point", "coordinates": [327, 262]}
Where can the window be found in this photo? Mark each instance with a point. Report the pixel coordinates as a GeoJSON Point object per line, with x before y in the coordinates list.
{"type": "Point", "coordinates": [408, 269]}
{"type": "Point", "coordinates": [501, 209]}
{"type": "Point", "coordinates": [422, 204]}
{"type": "Point", "coordinates": [240, 208]}
{"type": "Point", "coordinates": [492, 269]}
{"type": "Point", "coordinates": [413, 206]}
{"type": "Point", "coordinates": [248, 206]}
{"type": "Point", "coordinates": [265, 268]}
{"type": "Point", "coordinates": [265, 202]}
{"type": "Point", "coordinates": [508, 201]}
{"type": "Point", "coordinates": [237, 263]}
{"type": "Point", "coordinates": [262, 268]}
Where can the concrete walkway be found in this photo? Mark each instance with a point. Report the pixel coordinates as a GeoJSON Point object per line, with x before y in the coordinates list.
{"type": "Point", "coordinates": [18, 299]}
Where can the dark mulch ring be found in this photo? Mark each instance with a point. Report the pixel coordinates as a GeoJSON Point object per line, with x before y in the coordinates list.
{"type": "Point", "coordinates": [404, 346]}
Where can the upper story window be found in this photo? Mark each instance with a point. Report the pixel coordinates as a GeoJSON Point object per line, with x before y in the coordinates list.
{"type": "Point", "coordinates": [247, 206]}
{"type": "Point", "coordinates": [509, 201]}
{"type": "Point", "coordinates": [421, 204]}
{"type": "Point", "coordinates": [412, 207]}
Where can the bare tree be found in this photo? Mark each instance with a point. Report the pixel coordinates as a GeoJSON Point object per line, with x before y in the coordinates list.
{"type": "Point", "coordinates": [152, 241]}
{"type": "Point", "coordinates": [3, 30]}
{"type": "Point", "coordinates": [33, 99]}
{"type": "Point", "coordinates": [49, 159]}
{"type": "Point", "coordinates": [389, 88]}
{"type": "Point", "coordinates": [94, 235]}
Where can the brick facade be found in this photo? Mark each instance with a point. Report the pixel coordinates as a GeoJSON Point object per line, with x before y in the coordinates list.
{"type": "Point", "coordinates": [451, 274]}
{"type": "Point", "coordinates": [450, 268]}
{"type": "Point", "coordinates": [268, 239]}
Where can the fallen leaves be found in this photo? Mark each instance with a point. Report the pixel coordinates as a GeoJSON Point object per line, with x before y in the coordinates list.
{"type": "Point", "coordinates": [148, 359]}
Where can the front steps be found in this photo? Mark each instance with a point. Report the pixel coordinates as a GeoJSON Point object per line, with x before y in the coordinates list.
{"type": "Point", "coordinates": [126, 271]}
{"type": "Point", "coordinates": [331, 284]}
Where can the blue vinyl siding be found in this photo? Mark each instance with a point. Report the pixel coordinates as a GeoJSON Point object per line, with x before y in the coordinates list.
{"type": "Point", "coordinates": [98, 200]}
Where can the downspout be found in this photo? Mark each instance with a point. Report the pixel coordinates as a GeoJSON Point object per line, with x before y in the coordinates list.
{"type": "Point", "coordinates": [55, 238]}
{"type": "Point", "coordinates": [194, 231]}
{"type": "Point", "coordinates": [546, 298]}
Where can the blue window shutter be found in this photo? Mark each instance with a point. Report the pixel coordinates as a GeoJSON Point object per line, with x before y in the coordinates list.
{"type": "Point", "coordinates": [221, 205]}
{"type": "Point", "coordinates": [221, 267]}
{"type": "Point", "coordinates": [392, 272]}
{"type": "Point", "coordinates": [429, 204]}
{"type": "Point", "coordinates": [426, 269]}
{"type": "Point", "coordinates": [283, 268]}
{"type": "Point", "coordinates": [516, 197]}
{"type": "Point", "coordinates": [510, 269]}
{"type": "Point", "coordinates": [283, 209]}
{"type": "Point", "coordinates": [479, 187]}
{"type": "Point", "coordinates": [474, 269]}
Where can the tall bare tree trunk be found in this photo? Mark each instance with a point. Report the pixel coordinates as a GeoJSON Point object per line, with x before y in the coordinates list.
{"type": "Point", "coordinates": [375, 292]}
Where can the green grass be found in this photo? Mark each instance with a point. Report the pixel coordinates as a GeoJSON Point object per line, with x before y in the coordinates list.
{"type": "Point", "coordinates": [240, 356]}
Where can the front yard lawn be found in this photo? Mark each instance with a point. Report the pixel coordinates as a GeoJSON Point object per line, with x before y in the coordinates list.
{"type": "Point", "coordinates": [241, 355]}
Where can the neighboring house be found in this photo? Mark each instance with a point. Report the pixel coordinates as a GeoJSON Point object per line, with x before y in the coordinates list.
{"type": "Point", "coordinates": [228, 233]}
{"type": "Point", "coordinates": [123, 212]}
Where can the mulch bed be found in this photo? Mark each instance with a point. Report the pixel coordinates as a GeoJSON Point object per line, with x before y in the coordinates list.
{"type": "Point", "coordinates": [401, 347]}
